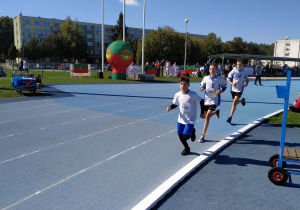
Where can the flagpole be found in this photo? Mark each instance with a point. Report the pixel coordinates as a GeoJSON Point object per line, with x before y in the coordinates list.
{"type": "Point", "coordinates": [143, 41]}
{"type": "Point", "coordinates": [102, 35]}
{"type": "Point", "coordinates": [124, 20]}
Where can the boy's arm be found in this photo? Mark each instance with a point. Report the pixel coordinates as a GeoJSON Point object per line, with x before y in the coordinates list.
{"type": "Point", "coordinates": [173, 106]}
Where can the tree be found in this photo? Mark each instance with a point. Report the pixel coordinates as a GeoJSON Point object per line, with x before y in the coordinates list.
{"type": "Point", "coordinates": [213, 44]}
{"type": "Point", "coordinates": [196, 51]}
{"type": "Point", "coordinates": [33, 50]}
{"type": "Point", "coordinates": [119, 28]}
{"type": "Point", "coordinates": [164, 43]}
{"type": "Point", "coordinates": [12, 52]}
{"type": "Point", "coordinates": [73, 40]}
{"type": "Point", "coordinates": [6, 35]}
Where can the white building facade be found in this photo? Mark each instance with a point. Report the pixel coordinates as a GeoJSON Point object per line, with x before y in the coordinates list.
{"type": "Point", "coordinates": [289, 49]}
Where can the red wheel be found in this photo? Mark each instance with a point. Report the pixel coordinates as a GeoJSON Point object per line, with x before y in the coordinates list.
{"type": "Point", "coordinates": [278, 175]}
{"type": "Point", "coordinates": [273, 161]}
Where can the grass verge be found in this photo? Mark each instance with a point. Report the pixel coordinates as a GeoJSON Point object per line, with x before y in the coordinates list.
{"type": "Point", "coordinates": [293, 119]}
{"type": "Point", "coordinates": [63, 77]}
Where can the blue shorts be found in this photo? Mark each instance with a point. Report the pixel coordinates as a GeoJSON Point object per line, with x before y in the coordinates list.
{"type": "Point", "coordinates": [185, 129]}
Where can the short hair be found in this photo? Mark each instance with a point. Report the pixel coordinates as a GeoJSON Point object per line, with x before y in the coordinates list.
{"type": "Point", "coordinates": [240, 60]}
{"type": "Point", "coordinates": [215, 65]}
{"type": "Point", "coordinates": [184, 79]}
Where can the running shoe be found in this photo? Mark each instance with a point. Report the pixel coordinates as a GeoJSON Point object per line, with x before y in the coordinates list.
{"type": "Point", "coordinates": [243, 102]}
{"type": "Point", "coordinates": [218, 114]}
{"type": "Point", "coordinates": [193, 137]}
{"type": "Point", "coordinates": [201, 140]}
{"type": "Point", "coordinates": [186, 151]}
{"type": "Point", "coordinates": [229, 119]}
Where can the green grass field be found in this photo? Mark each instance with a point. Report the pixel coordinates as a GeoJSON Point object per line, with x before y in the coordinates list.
{"type": "Point", "coordinates": [293, 119]}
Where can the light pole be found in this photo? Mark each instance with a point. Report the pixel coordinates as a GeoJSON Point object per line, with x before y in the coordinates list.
{"type": "Point", "coordinates": [186, 21]}
{"type": "Point", "coordinates": [23, 45]}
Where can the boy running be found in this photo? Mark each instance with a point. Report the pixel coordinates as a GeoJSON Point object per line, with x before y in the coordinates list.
{"type": "Point", "coordinates": [187, 101]}
{"type": "Point", "coordinates": [213, 85]}
{"type": "Point", "coordinates": [238, 79]}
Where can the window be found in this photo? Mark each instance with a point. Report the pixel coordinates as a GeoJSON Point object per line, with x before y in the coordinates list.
{"type": "Point", "coordinates": [139, 33]}
{"type": "Point", "coordinates": [106, 29]}
{"type": "Point", "coordinates": [98, 44]}
{"type": "Point", "coordinates": [56, 24]}
{"type": "Point", "coordinates": [97, 52]}
{"type": "Point", "coordinates": [98, 29]}
{"type": "Point", "coordinates": [27, 31]}
{"type": "Point", "coordinates": [27, 22]}
{"type": "Point", "coordinates": [37, 32]}
{"type": "Point", "coordinates": [287, 54]}
{"type": "Point", "coordinates": [37, 23]}
{"type": "Point", "coordinates": [106, 37]}
{"type": "Point", "coordinates": [90, 51]}
{"type": "Point", "coordinates": [287, 49]}
{"type": "Point", "coordinates": [132, 32]}
{"type": "Point", "coordinates": [288, 44]}
{"type": "Point", "coordinates": [90, 44]}
{"type": "Point", "coordinates": [27, 40]}
{"type": "Point", "coordinates": [89, 27]}
{"type": "Point", "coordinates": [98, 36]}
{"type": "Point", "coordinates": [46, 32]}
{"type": "Point", "coordinates": [46, 24]}
{"type": "Point", "coordinates": [89, 36]}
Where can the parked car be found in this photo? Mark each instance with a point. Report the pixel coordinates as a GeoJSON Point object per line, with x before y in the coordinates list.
{"type": "Point", "coordinates": [93, 67]}
{"type": "Point", "coordinates": [47, 66]}
{"type": "Point", "coordinates": [64, 66]}
{"type": "Point", "coordinates": [107, 67]}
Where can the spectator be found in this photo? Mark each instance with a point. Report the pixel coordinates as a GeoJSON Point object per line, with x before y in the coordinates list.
{"type": "Point", "coordinates": [296, 106]}
{"type": "Point", "coordinates": [258, 71]}
{"type": "Point", "coordinates": [21, 67]}
{"type": "Point", "coordinates": [158, 68]}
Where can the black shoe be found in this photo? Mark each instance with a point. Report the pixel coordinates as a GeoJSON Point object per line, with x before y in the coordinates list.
{"type": "Point", "coordinates": [229, 119]}
{"type": "Point", "coordinates": [193, 137]}
{"type": "Point", "coordinates": [186, 151]}
{"type": "Point", "coordinates": [218, 114]}
{"type": "Point", "coordinates": [243, 102]}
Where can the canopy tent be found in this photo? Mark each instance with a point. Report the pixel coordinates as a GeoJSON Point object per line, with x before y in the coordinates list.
{"type": "Point", "coordinates": [252, 57]}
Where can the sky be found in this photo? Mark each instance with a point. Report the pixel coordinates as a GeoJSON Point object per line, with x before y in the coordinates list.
{"type": "Point", "coordinates": [258, 21]}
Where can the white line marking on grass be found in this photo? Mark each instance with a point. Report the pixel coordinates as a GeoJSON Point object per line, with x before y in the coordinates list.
{"type": "Point", "coordinates": [160, 192]}
{"type": "Point", "coordinates": [84, 170]}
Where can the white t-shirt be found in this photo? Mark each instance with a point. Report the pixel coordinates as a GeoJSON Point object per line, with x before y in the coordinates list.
{"type": "Point", "coordinates": [240, 77]}
{"type": "Point", "coordinates": [211, 85]}
{"type": "Point", "coordinates": [187, 106]}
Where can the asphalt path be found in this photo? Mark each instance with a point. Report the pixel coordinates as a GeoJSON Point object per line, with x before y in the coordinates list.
{"type": "Point", "coordinates": [106, 146]}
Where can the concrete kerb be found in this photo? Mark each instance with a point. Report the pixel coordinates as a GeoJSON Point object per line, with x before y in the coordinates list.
{"type": "Point", "coordinates": [160, 192]}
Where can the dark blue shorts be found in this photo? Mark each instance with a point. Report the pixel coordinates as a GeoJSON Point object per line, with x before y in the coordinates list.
{"type": "Point", "coordinates": [185, 129]}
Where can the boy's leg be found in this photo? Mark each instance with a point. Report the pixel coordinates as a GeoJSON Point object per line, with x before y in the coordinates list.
{"type": "Point", "coordinates": [183, 138]}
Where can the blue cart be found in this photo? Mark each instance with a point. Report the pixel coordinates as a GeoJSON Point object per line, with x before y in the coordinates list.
{"type": "Point", "coordinates": [22, 83]}
{"type": "Point", "coordinates": [277, 174]}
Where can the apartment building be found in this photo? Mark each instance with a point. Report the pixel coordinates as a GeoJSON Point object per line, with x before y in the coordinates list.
{"type": "Point", "coordinates": [289, 48]}
{"type": "Point", "coordinates": [27, 27]}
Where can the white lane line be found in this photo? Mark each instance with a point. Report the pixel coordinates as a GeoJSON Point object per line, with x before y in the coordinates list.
{"type": "Point", "coordinates": [69, 110]}
{"type": "Point", "coordinates": [160, 192]}
{"type": "Point", "coordinates": [79, 138]}
{"type": "Point", "coordinates": [84, 170]}
{"type": "Point", "coordinates": [75, 121]}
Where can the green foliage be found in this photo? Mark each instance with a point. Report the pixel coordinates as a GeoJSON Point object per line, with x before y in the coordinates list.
{"type": "Point", "coordinates": [12, 52]}
{"type": "Point", "coordinates": [213, 44]}
{"type": "Point", "coordinates": [164, 43]}
{"type": "Point", "coordinates": [6, 35]}
{"type": "Point", "coordinates": [118, 35]}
